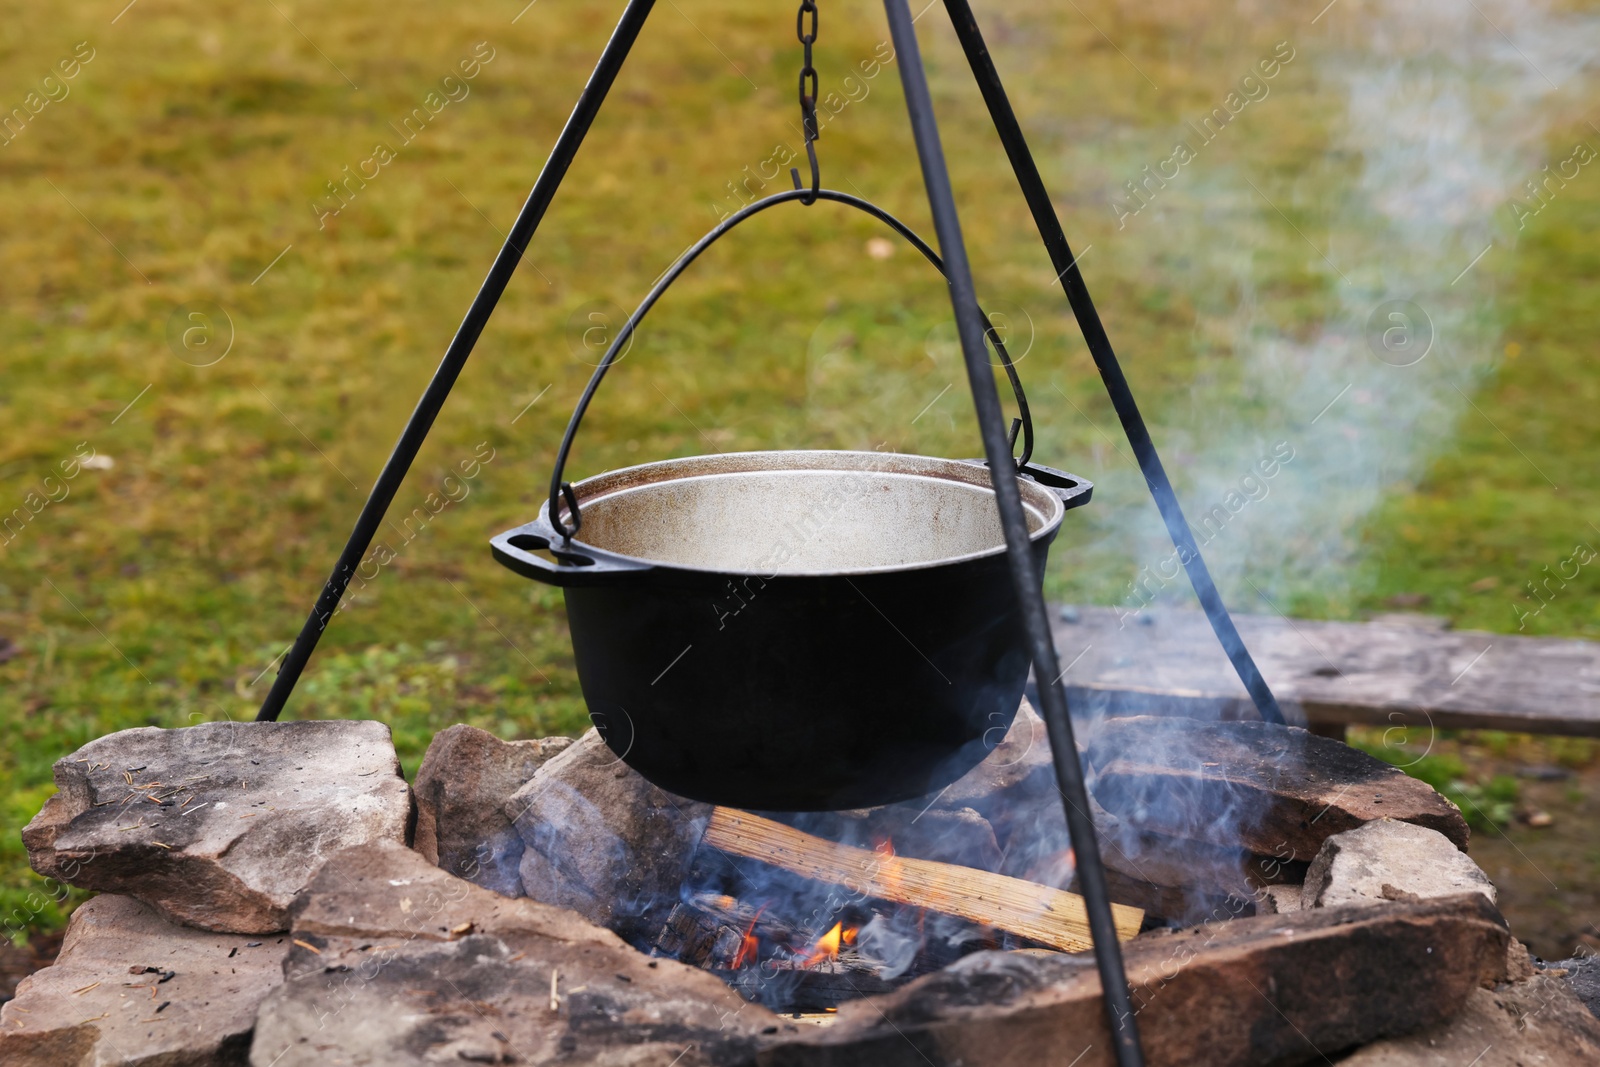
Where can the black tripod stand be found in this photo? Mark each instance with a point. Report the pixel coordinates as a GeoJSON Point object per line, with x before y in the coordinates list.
{"type": "Point", "coordinates": [997, 448]}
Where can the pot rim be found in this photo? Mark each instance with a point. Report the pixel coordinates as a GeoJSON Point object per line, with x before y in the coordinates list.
{"type": "Point", "coordinates": [1049, 503]}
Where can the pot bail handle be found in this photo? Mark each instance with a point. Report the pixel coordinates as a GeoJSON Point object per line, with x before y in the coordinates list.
{"type": "Point", "coordinates": [572, 506]}
{"type": "Point", "coordinates": [561, 490]}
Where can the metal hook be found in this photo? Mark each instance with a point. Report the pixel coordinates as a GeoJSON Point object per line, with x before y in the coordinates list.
{"type": "Point", "coordinates": [816, 175]}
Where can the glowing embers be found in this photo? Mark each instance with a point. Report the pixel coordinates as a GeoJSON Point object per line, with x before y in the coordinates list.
{"type": "Point", "coordinates": [800, 944]}
{"type": "Point", "coordinates": [766, 939]}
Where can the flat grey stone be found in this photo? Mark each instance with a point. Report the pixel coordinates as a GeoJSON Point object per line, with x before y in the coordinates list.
{"type": "Point", "coordinates": [1387, 860]}
{"type": "Point", "coordinates": [218, 826]}
{"type": "Point", "coordinates": [1271, 790]}
{"type": "Point", "coordinates": [1254, 992]}
{"type": "Point", "coordinates": [1018, 767]}
{"type": "Point", "coordinates": [1535, 1023]}
{"type": "Point", "coordinates": [600, 839]}
{"type": "Point", "coordinates": [1278, 900]}
{"type": "Point", "coordinates": [464, 779]}
{"type": "Point", "coordinates": [1014, 788]}
{"type": "Point", "coordinates": [129, 988]}
{"type": "Point", "coordinates": [409, 965]}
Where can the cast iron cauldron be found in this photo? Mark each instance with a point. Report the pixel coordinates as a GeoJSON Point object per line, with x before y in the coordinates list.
{"type": "Point", "coordinates": [795, 631]}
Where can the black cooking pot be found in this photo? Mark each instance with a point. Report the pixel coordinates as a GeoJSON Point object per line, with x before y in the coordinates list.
{"type": "Point", "coordinates": [795, 631]}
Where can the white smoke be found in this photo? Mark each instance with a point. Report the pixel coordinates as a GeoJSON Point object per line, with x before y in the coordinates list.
{"type": "Point", "coordinates": [1447, 107]}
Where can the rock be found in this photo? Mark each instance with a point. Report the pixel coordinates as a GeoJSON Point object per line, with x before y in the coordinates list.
{"type": "Point", "coordinates": [1538, 1021]}
{"type": "Point", "coordinates": [381, 892]}
{"type": "Point", "coordinates": [1278, 900]}
{"type": "Point", "coordinates": [1386, 860]}
{"type": "Point", "coordinates": [132, 988]}
{"type": "Point", "coordinates": [1184, 882]}
{"type": "Point", "coordinates": [601, 840]}
{"type": "Point", "coordinates": [1267, 990]}
{"type": "Point", "coordinates": [464, 779]}
{"type": "Point", "coordinates": [397, 962]}
{"type": "Point", "coordinates": [1014, 789]}
{"type": "Point", "coordinates": [1583, 976]}
{"type": "Point", "coordinates": [1275, 791]}
{"type": "Point", "coordinates": [945, 835]}
{"type": "Point", "coordinates": [1014, 763]}
{"type": "Point", "coordinates": [218, 825]}
{"type": "Point", "coordinates": [1519, 962]}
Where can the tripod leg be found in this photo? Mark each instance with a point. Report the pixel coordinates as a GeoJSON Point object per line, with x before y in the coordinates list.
{"type": "Point", "coordinates": [455, 357]}
{"type": "Point", "coordinates": [1019, 548]}
{"type": "Point", "coordinates": [1094, 334]}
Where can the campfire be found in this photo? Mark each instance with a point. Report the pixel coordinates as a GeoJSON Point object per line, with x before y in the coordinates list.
{"type": "Point", "coordinates": [802, 923]}
{"type": "Point", "coordinates": [1278, 899]}
{"type": "Point", "coordinates": [803, 912]}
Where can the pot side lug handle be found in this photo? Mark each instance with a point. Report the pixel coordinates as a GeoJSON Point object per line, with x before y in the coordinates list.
{"type": "Point", "coordinates": [1071, 490]}
{"type": "Point", "coordinates": [569, 563]}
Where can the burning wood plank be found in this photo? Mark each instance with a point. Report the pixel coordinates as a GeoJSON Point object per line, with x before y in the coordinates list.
{"type": "Point", "coordinates": [1048, 916]}
{"type": "Point", "coordinates": [694, 937]}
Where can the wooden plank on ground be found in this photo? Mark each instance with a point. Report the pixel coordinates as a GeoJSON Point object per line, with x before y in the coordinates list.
{"type": "Point", "coordinates": [1391, 671]}
{"type": "Point", "coordinates": [1050, 916]}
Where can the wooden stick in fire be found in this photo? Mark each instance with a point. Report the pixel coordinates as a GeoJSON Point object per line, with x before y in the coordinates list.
{"type": "Point", "coordinates": [1050, 916]}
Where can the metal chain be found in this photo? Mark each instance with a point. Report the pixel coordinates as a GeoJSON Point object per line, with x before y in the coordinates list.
{"type": "Point", "coordinates": [808, 97]}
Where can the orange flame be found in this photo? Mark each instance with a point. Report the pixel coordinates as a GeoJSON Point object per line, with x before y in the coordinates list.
{"type": "Point", "coordinates": [747, 951]}
{"type": "Point", "coordinates": [827, 947]}
{"type": "Point", "coordinates": [750, 944]}
{"type": "Point", "coordinates": [829, 944]}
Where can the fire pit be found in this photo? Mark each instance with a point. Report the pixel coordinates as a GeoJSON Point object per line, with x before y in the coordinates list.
{"type": "Point", "coordinates": [803, 912]}
{"type": "Point", "coordinates": [943, 931]}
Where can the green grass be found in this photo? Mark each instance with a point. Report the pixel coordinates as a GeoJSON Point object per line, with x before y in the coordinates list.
{"type": "Point", "coordinates": [191, 149]}
{"type": "Point", "coordinates": [1484, 804]}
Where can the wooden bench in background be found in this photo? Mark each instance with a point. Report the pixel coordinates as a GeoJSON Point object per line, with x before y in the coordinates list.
{"type": "Point", "coordinates": [1407, 670]}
